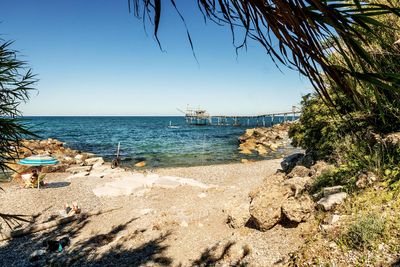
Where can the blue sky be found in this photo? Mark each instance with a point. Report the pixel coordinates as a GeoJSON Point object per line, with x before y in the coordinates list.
{"type": "Point", "coordinates": [94, 58]}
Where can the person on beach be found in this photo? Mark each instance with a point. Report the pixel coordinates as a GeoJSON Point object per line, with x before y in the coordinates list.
{"type": "Point", "coordinates": [34, 177]}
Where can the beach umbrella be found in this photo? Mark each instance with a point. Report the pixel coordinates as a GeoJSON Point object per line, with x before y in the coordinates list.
{"type": "Point", "coordinates": [38, 160]}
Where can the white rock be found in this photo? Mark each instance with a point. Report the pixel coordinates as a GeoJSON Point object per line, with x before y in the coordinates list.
{"type": "Point", "coordinates": [184, 224]}
{"type": "Point", "coordinates": [79, 157]}
{"type": "Point", "coordinates": [37, 254]}
{"type": "Point", "coordinates": [202, 195]}
{"type": "Point", "coordinates": [332, 190]}
{"type": "Point", "coordinates": [328, 202]}
{"type": "Point", "coordinates": [92, 161]}
{"type": "Point", "coordinates": [334, 219]}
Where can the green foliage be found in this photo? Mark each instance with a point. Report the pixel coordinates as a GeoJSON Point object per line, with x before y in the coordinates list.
{"type": "Point", "coordinates": [316, 131]}
{"type": "Point", "coordinates": [364, 232]}
{"type": "Point", "coordinates": [343, 175]}
{"type": "Point", "coordinates": [349, 129]}
{"type": "Point", "coordinates": [16, 82]}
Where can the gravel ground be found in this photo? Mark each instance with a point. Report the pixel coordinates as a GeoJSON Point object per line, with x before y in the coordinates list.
{"type": "Point", "coordinates": [183, 226]}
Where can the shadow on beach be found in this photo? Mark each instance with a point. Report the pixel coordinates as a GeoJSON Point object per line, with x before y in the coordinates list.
{"type": "Point", "coordinates": [113, 248]}
{"type": "Point", "coordinates": [55, 185]}
{"type": "Point", "coordinates": [33, 250]}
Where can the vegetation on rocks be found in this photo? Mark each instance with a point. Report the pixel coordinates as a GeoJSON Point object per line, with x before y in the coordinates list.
{"type": "Point", "coordinates": [358, 133]}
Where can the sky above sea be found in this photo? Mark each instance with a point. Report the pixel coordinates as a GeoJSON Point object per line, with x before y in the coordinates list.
{"type": "Point", "coordinates": [93, 57]}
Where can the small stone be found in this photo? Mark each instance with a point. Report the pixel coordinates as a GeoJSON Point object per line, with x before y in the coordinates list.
{"type": "Point", "coordinates": [79, 157]}
{"type": "Point", "coordinates": [202, 195]}
{"type": "Point", "coordinates": [140, 164]}
{"type": "Point", "coordinates": [36, 255]}
{"type": "Point", "coordinates": [244, 160]}
{"type": "Point", "coordinates": [184, 224]}
{"type": "Point", "coordinates": [332, 245]}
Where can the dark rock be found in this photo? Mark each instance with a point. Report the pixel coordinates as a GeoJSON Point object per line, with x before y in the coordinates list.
{"type": "Point", "coordinates": [291, 161]}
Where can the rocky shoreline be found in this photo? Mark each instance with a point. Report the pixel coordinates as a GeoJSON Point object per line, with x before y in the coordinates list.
{"type": "Point", "coordinates": [264, 140]}
{"type": "Point", "coordinates": [254, 214]}
{"type": "Point", "coordinates": [66, 157]}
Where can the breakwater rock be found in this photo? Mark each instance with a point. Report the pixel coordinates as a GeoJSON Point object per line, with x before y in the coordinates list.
{"type": "Point", "coordinates": [264, 139]}
{"type": "Point", "coordinates": [66, 157]}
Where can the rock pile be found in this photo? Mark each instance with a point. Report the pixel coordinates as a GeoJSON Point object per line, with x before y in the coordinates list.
{"type": "Point", "coordinates": [67, 157]}
{"type": "Point", "coordinates": [282, 198]}
{"type": "Point", "coordinates": [264, 140]}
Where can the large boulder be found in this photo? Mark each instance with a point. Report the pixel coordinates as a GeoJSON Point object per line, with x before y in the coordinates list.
{"type": "Point", "coordinates": [265, 208]}
{"type": "Point", "coordinates": [298, 184]}
{"type": "Point", "coordinates": [298, 210]}
{"type": "Point", "coordinates": [238, 215]}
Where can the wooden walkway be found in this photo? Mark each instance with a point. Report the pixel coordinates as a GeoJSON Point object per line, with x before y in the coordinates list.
{"type": "Point", "coordinates": [201, 117]}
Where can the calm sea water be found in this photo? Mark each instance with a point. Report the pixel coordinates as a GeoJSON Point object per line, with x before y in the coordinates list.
{"type": "Point", "coordinates": [146, 138]}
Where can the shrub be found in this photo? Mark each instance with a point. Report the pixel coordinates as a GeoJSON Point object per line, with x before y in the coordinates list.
{"type": "Point", "coordinates": [364, 232]}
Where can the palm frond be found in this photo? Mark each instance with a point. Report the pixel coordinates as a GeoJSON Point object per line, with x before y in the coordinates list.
{"type": "Point", "coordinates": [302, 34]}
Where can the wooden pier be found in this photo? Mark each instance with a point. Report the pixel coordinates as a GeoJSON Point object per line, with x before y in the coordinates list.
{"type": "Point", "coordinates": [202, 117]}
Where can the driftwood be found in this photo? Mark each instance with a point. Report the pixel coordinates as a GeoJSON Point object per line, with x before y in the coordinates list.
{"type": "Point", "coordinates": [44, 226]}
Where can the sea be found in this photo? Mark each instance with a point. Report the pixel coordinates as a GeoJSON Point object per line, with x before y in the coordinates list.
{"type": "Point", "coordinates": [148, 139]}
